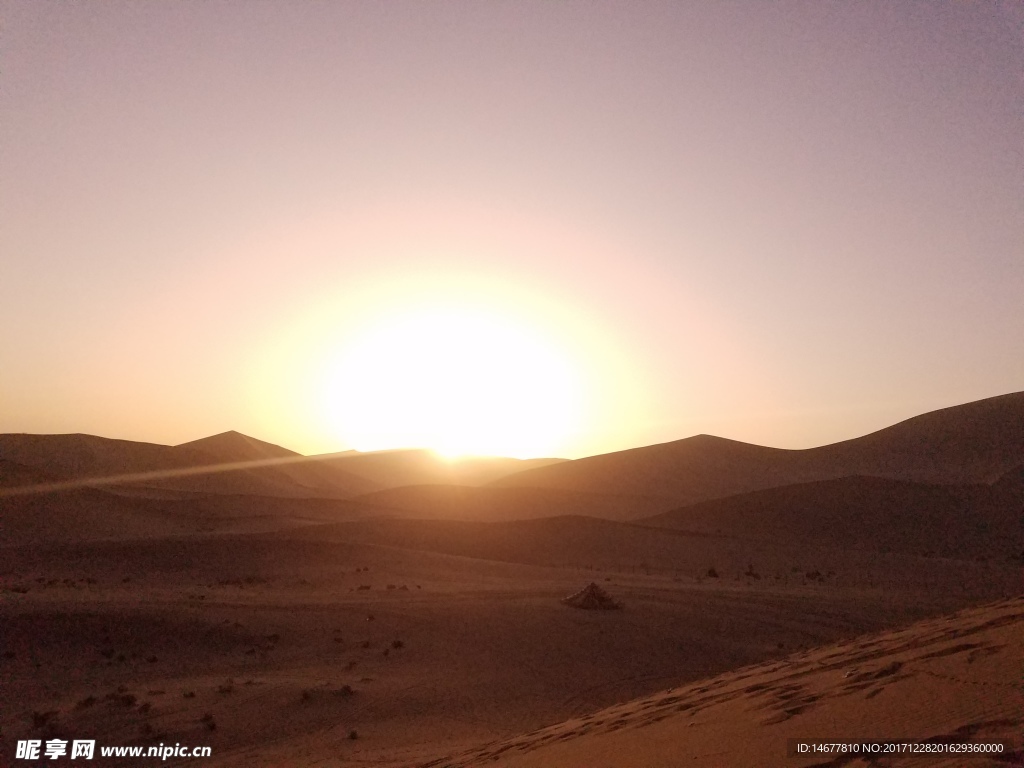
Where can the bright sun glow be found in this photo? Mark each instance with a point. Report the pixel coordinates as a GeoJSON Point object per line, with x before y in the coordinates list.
{"type": "Point", "coordinates": [457, 380]}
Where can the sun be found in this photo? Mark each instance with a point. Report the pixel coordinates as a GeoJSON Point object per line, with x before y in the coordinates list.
{"type": "Point", "coordinates": [458, 380]}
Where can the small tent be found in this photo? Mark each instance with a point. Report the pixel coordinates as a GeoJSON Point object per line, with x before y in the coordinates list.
{"type": "Point", "coordinates": [591, 597]}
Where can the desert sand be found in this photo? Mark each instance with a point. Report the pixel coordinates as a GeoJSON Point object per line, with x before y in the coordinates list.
{"type": "Point", "coordinates": [424, 625]}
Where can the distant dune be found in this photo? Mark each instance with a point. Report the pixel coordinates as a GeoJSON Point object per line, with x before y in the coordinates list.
{"type": "Point", "coordinates": [973, 443]}
{"type": "Point", "coordinates": [264, 469]}
{"type": "Point", "coordinates": [13, 475]}
{"type": "Point", "coordinates": [393, 469]}
{"type": "Point", "coordinates": [869, 513]}
{"type": "Point", "coordinates": [90, 514]}
{"type": "Point", "coordinates": [460, 502]}
{"type": "Point", "coordinates": [67, 457]}
{"type": "Point", "coordinates": [234, 446]}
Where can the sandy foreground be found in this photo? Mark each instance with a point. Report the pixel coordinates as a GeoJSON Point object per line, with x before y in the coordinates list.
{"type": "Point", "coordinates": [274, 649]}
{"type": "Point", "coordinates": [945, 681]}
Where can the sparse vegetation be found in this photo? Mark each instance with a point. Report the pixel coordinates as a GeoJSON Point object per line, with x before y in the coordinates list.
{"type": "Point", "coordinates": [85, 703]}
{"type": "Point", "coordinates": [396, 644]}
{"type": "Point", "coordinates": [353, 735]}
{"type": "Point", "coordinates": [712, 573]}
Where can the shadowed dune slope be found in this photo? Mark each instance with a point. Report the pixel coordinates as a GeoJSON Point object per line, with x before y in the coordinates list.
{"type": "Point", "coordinates": [82, 515]}
{"type": "Point", "coordinates": [869, 513]}
{"type": "Point", "coordinates": [77, 456]}
{"type": "Point", "coordinates": [90, 514]}
{"type": "Point", "coordinates": [972, 443]}
{"type": "Point", "coordinates": [13, 475]}
{"type": "Point", "coordinates": [460, 502]}
{"type": "Point", "coordinates": [949, 680]}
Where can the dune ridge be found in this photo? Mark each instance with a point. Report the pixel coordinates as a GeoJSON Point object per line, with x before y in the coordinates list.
{"type": "Point", "coordinates": [972, 443]}
{"type": "Point", "coordinates": [938, 681]}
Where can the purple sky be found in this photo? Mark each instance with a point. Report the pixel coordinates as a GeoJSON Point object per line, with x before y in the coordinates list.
{"type": "Point", "coordinates": [788, 223]}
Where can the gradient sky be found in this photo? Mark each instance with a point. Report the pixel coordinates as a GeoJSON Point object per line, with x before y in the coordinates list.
{"type": "Point", "coordinates": [786, 223]}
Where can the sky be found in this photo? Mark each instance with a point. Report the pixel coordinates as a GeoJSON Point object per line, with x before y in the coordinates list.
{"type": "Point", "coordinates": [523, 227]}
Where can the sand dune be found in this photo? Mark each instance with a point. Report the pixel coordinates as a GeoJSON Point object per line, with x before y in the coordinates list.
{"type": "Point", "coordinates": [89, 514]}
{"type": "Point", "coordinates": [262, 468]}
{"type": "Point", "coordinates": [282, 630]}
{"type": "Point", "coordinates": [975, 521]}
{"type": "Point", "coordinates": [394, 469]}
{"type": "Point", "coordinates": [460, 502]}
{"type": "Point", "coordinates": [69, 457]}
{"type": "Point", "coordinates": [973, 443]}
{"type": "Point", "coordinates": [234, 446]}
{"type": "Point", "coordinates": [940, 681]}
{"type": "Point", "coordinates": [14, 475]}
